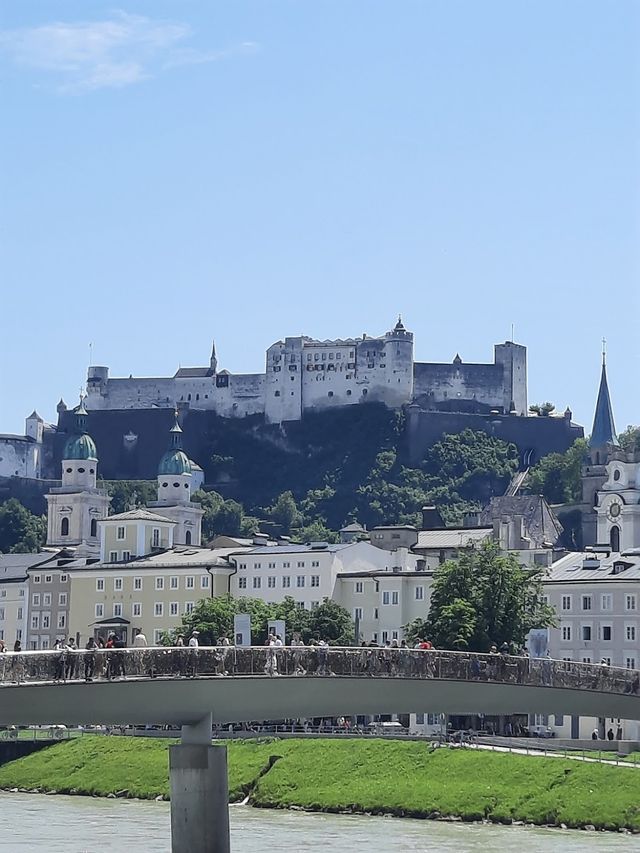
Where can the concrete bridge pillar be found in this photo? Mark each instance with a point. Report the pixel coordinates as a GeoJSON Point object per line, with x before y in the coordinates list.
{"type": "Point", "coordinates": [199, 792]}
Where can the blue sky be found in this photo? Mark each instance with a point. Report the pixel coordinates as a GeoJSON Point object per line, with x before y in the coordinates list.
{"type": "Point", "coordinates": [178, 171]}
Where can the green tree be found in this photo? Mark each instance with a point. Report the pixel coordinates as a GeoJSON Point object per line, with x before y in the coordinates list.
{"type": "Point", "coordinates": [213, 618]}
{"type": "Point", "coordinates": [127, 493]}
{"type": "Point", "coordinates": [557, 475]}
{"type": "Point", "coordinates": [630, 439]}
{"type": "Point", "coordinates": [297, 619]}
{"type": "Point", "coordinates": [485, 597]}
{"type": "Point", "coordinates": [314, 532]}
{"type": "Point", "coordinates": [331, 622]}
{"type": "Point", "coordinates": [21, 531]}
{"type": "Point", "coordinates": [284, 512]}
{"type": "Point", "coordinates": [543, 410]}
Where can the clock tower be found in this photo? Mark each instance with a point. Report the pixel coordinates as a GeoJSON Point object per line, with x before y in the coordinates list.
{"type": "Point", "coordinates": [618, 506]}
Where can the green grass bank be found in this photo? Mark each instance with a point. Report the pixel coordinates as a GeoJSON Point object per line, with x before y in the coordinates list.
{"type": "Point", "coordinates": [375, 776]}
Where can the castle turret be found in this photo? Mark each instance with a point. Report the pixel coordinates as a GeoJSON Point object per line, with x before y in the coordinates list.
{"type": "Point", "coordinates": [398, 365]}
{"type": "Point", "coordinates": [34, 427]}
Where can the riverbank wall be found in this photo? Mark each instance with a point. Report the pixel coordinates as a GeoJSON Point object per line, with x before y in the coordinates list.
{"type": "Point", "coordinates": [371, 777]}
{"type": "Point", "coordinates": [14, 749]}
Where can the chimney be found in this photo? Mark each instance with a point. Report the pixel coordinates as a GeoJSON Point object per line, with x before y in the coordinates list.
{"type": "Point", "coordinates": [431, 518]}
{"type": "Point", "coordinates": [471, 519]}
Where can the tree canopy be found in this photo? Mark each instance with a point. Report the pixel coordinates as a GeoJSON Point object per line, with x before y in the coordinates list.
{"type": "Point", "coordinates": [557, 476]}
{"type": "Point", "coordinates": [213, 618]}
{"type": "Point", "coordinates": [630, 439]}
{"type": "Point", "coordinates": [21, 531]}
{"type": "Point", "coordinates": [481, 598]}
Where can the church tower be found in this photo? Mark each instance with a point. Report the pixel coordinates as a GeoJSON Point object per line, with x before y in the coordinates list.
{"type": "Point", "coordinates": [602, 444]}
{"type": "Point", "coordinates": [175, 477]}
{"type": "Point", "coordinates": [74, 509]}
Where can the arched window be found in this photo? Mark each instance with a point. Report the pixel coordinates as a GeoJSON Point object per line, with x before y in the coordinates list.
{"type": "Point", "coordinates": [187, 537]}
{"type": "Point", "coordinates": [94, 527]}
{"type": "Point", "coordinates": [64, 526]}
{"type": "Point", "coordinates": [614, 538]}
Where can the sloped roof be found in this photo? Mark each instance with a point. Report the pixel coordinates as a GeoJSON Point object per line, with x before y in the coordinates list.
{"type": "Point", "coordinates": [452, 537]}
{"type": "Point", "coordinates": [187, 372]}
{"type": "Point", "coordinates": [139, 515]}
{"type": "Point", "coordinates": [571, 567]}
{"type": "Point", "coordinates": [541, 523]}
{"type": "Point", "coordinates": [604, 430]}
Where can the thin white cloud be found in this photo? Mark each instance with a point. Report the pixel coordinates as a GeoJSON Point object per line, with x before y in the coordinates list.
{"type": "Point", "coordinates": [111, 53]}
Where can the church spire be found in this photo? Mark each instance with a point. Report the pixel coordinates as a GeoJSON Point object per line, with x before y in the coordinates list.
{"type": "Point", "coordinates": [604, 430]}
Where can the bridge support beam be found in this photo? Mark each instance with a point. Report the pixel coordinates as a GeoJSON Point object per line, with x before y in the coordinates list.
{"type": "Point", "coordinates": [199, 792]}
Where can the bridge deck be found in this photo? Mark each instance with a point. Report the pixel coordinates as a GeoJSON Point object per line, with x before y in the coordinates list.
{"type": "Point", "coordinates": [180, 685]}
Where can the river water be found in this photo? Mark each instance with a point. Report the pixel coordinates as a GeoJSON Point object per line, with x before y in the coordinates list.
{"type": "Point", "coordinates": [58, 824]}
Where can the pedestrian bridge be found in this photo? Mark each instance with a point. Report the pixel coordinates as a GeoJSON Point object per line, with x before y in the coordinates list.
{"type": "Point", "coordinates": [182, 686]}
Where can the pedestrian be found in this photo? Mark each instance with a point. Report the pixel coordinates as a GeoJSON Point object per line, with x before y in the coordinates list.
{"type": "Point", "coordinates": [180, 640]}
{"type": "Point", "coordinates": [193, 653]}
{"type": "Point", "coordinates": [3, 648]}
{"type": "Point", "coordinates": [17, 646]}
{"type": "Point", "coordinates": [90, 659]}
{"type": "Point", "coordinates": [70, 659]}
{"type": "Point", "coordinates": [504, 648]}
{"type": "Point", "coordinates": [493, 649]}
{"type": "Point", "coordinates": [595, 734]}
{"type": "Point", "coordinates": [139, 641]}
{"type": "Point", "coordinates": [610, 734]}
{"type": "Point", "coordinates": [120, 645]}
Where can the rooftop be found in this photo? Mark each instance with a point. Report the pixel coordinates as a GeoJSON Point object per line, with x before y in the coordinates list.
{"type": "Point", "coordinates": [584, 566]}
{"type": "Point", "coordinates": [453, 537]}
{"type": "Point", "coordinates": [139, 515]}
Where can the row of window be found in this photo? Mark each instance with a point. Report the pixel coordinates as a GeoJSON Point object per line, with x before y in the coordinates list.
{"type": "Point", "coordinates": [45, 598]}
{"type": "Point", "coordinates": [3, 593]}
{"type": "Point", "coordinates": [174, 583]}
{"type": "Point", "coordinates": [604, 632]}
{"type": "Point", "coordinates": [315, 564]}
{"type": "Point", "coordinates": [586, 632]}
{"type": "Point", "coordinates": [285, 582]}
{"type": "Point", "coordinates": [606, 602]}
{"type": "Point", "coordinates": [18, 634]}
{"type": "Point", "coordinates": [43, 620]}
{"type": "Point", "coordinates": [418, 592]}
{"type": "Point", "coordinates": [19, 614]}
{"type": "Point", "coordinates": [173, 609]}
{"type": "Point", "coordinates": [48, 578]}
{"type": "Point", "coordinates": [628, 658]}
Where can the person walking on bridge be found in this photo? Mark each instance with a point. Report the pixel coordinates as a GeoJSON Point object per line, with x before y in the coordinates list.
{"type": "Point", "coordinates": [139, 641]}
{"type": "Point", "coordinates": [193, 653]}
{"type": "Point", "coordinates": [90, 659]}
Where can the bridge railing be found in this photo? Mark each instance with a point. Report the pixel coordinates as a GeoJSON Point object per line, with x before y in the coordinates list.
{"type": "Point", "coordinates": [167, 662]}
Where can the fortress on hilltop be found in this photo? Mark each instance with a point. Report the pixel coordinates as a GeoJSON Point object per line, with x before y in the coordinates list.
{"type": "Point", "coordinates": [303, 374]}
{"type": "Point", "coordinates": [128, 418]}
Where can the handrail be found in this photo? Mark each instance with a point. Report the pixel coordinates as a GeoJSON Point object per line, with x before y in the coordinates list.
{"type": "Point", "coordinates": [70, 665]}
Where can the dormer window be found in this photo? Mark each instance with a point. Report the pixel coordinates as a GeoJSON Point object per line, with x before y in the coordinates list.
{"type": "Point", "coordinates": [64, 527]}
{"type": "Point", "coordinates": [616, 474]}
{"type": "Point", "coordinates": [121, 533]}
{"type": "Point", "coordinates": [155, 538]}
